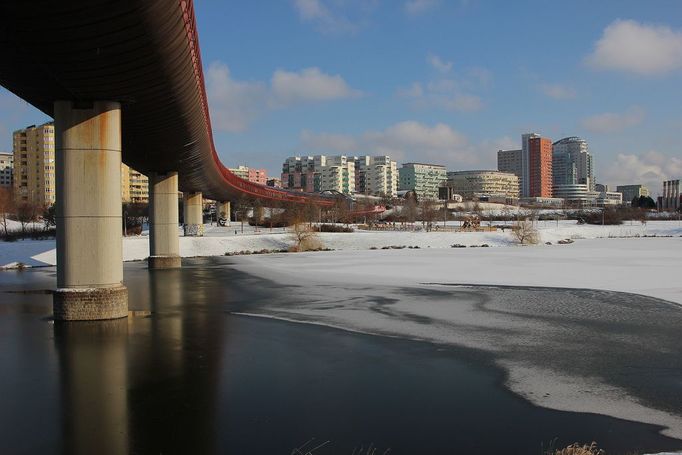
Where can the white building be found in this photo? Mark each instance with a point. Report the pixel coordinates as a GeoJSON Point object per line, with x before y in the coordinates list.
{"type": "Point", "coordinates": [576, 194]}
{"type": "Point", "coordinates": [423, 179]}
{"type": "Point", "coordinates": [376, 176]}
{"type": "Point", "coordinates": [337, 173]}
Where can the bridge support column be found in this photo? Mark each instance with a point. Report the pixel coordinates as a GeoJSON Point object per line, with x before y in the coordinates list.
{"type": "Point", "coordinates": [88, 204]}
{"type": "Point", "coordinates": [164, 242]}
{"type": "Point", "coordinates": [222, 210]}
{"type": "Point", "coordinates": [193, 212]}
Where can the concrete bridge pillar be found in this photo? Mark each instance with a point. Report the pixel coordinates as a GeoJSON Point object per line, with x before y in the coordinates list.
{"type": "Point", "coordinates": [222, 210]}
{"type": "Point", "coordinates": [164, 242]}
{"type": "Point", "coordinates": [88, 212]}
{"type": "Point", "coordinates": [193, 211]}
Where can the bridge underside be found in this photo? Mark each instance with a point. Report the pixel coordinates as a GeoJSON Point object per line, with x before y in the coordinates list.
{"type": "Point", "coordinates": [143, 54]}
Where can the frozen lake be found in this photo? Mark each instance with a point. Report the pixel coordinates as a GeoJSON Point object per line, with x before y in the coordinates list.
{"type": "Point", "coordinates": [200, 375]}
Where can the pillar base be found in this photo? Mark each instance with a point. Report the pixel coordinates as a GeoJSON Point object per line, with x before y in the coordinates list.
{"type": "Point", "coordinates": [194, 230]}
{"type": "Point", "coordinates": [164, 262]}
{"type": "Point", "coordinates": [91, 304]}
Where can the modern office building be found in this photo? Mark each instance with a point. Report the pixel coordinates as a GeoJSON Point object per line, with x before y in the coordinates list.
{"type": "Point", "coordinates": [572, 163]}
{"type": "Point", "coordinates": [525, 164]}
{"type": "Point", "coordinates": [632, 191]}
{"type": "Point", "coordinates": [6, 169]}
{"type": "Point", "coordinates": [424, 179]}
{"type": "Point", "coordinates": [376, 176]}
{"type": "Point", "coordinates": [259, 176]}
{"type": "Point", "coordinates": [471, 184]}
{"type": "Point", "coordinates": [134, 186]}
{"type": "Point", "coordinates": [34, 164]}
{"type": "Point", "coordinates": [670, 199]}
{"type": "Point", "coordinates": [539, 167]}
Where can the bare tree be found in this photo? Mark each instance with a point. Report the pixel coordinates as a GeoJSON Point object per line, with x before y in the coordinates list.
{"type": "Point", "coordinates": [410, 209]}
{"type": "Point", "coordinates": [525, 232]}
{"type": "Point", "coordinates": [241, 210]}
{"type": "Point", "coordinates": [27, 212]}
{"type": "Point", "coordinates": [428, 212]}
{"type": "Point", "coordinates": [7, 207]}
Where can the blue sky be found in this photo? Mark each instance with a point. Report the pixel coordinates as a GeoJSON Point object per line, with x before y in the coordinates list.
{"type": "Point", "coordinates": [447, 81]}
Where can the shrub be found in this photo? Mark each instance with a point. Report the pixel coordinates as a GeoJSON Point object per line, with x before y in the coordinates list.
{"type": "Point", "coordinates": [525, 232]}
{"type": "Point", "coordinates": [577, 449]}
{"type": "Point", "coordinates": [332, 228]}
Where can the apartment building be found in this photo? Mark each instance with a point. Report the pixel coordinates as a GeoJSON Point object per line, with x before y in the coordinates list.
{"type": "Point", "coordinates": [134, 186]}
{"type": "Point", "coordinates": [422, 178]}
{"type": "Point", "coordinates": [376, 176]}
{"type": "Point", "coordinates": [337, 174]}
{"type": "Point", "coordinates": [6, 170]}
{"type": "Point", "coordinates": [34, 164]}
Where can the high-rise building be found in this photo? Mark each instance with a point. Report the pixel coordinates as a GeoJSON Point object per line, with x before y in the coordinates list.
{"type": "Point", "coordinates": [525, 163]}
{"type": "Point", "coordinates": [376, 176]}
{"type": "Point", "coordinates": [539, 167]}
{"type": "Point", "coordinates": [6, 169]}
{"type": "Point", "coordinates": [34, 164]}
{"type": "Point", "coordinates": [572, 163]}
{"type": "Point", "coordinates": [423, 179]}
{"type": "Point", "coordinates": [490, 183]}
{"type": "Point", "coordinates": [632, 191]}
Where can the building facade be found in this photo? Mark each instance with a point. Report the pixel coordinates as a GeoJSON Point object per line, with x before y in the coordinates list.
{"type": "Point", "coordinates": [525, 163]}
{"type": "Point", "coordinates": [632, 191]}
{"type": "Point", "coordinates": [539, 167]}
{"type": "Point", "coordinates": [470, 184]}
{"type": "Point", "coordinates": [572, 163]}
{"type": "Point", "coordinates": [34, 164]}
{"type": "Point", "coordinates": [6, 170]}
{"type": "Point", "coordinates": [274, 182]}
{"type": "Point", "coordinates": [298, 173]}
{"type": "Point", "coordinates": [609, 198]}
{"type": "Point", "coordinates": [376, 176]}
{"type": "Point", "coordinates": [424, 179]}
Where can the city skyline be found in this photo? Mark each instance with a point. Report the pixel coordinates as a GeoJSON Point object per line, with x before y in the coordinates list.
{"type": "Point", "coordinates": [419, 81]}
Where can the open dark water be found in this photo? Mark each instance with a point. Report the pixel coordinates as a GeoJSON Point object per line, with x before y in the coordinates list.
{"type": "Point", "coordinates": [193, 378]}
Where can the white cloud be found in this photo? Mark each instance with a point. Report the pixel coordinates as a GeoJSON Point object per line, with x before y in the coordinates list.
{"type": "Point", "coordinates": [410, 141]}
{"type": "Point", "coordinates": [611, 122]}
{"type": "Point", "coordinates": [415, 7]}
{"type": "Point", "coordinates": [558, 91]}
{"type": "Point", "coordinates": [309, 85]}
{"type": "Point", "coordinates": [335, 17]}
{"type": "Point", "coordinates": [236, 104]}
{"type": "Point", "coordinates": [644, 49]}
{"type": "Point", "coordinates": [438, 63]}
{"type": "Point", "coordinates": [650, 169]}
{"type": "Point", "coordinates": [233, 104]}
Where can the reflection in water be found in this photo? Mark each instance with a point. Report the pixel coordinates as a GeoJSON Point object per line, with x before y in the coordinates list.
{"type": "Point", "coordinates": [94, 384]}
{"type": "Point", "coordinates": [191, 378]}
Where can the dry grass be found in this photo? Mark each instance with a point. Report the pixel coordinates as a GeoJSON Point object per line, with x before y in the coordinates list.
{"type": "Point", "coordinates": [305, 239]}
{"type": "Point", "coordinates": [525, 232]}
{"type": "Point", "coordinates": [578, 449]}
